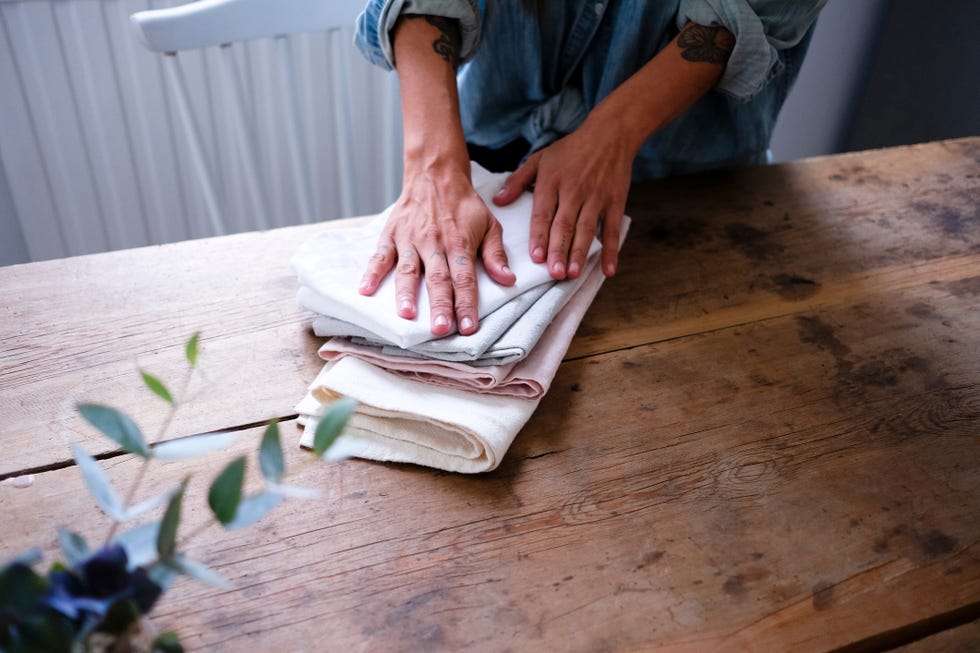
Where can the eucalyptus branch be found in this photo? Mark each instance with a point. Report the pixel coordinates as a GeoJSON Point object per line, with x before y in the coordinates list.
{"type": "Point", "coordinates": [164, 427]}
{"type": "Point", "coordinates": [99, 595]}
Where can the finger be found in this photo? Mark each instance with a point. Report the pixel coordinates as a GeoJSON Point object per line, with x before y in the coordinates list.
{"type": "Point", "coordinates": [439, 284]}
{"type": "Point", "coordinates": [610, 242]}
{"type": "Point", "coordinates": [518, 181]}
{"type": "Point", "coordinates": [407, 274]}
{"type": "Point", "coordinates": [585, 232]}
{"type": "Point", "coordinates": [542, 215]}
{"type": "Point", "coordinates": [463, 274]}
{"type": "Point", "coordinates": [495, 256]}
{"type": "Point", "coordinates": [561, 236]}
{"type": "Point", "coordinates": [378, 266]}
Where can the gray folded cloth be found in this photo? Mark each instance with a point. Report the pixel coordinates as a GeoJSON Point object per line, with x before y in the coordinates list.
{"type": "Point", "coordinates": [505, 336]}
{"type": "Point", "coordinates": [490, 345]}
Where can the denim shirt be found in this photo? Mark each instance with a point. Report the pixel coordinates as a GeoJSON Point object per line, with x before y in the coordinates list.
{"type": "Point", "coordinates": [538, 78]}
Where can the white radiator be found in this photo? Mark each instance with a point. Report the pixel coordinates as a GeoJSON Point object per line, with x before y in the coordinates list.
{"type": "Point", "coordinates": [94, 155]}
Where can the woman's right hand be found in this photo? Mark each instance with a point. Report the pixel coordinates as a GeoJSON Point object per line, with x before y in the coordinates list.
{"type": "Point", "coordinates": [437, 228]}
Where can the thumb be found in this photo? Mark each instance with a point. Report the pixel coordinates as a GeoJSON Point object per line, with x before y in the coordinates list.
{"type": "Point", "coordinates": [495, 256]}
{"type": "Point", "coordinates": [518, 181]}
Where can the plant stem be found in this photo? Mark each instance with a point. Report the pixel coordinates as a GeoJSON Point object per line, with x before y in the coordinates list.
{"type": "Point", "coordinates": [164, 426]}
{"type": "Point", "coordinates": [197, 531]}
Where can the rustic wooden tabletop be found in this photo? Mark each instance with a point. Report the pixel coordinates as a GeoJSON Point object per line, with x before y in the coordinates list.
{"type": "Point", "coordinates": [765, 436]}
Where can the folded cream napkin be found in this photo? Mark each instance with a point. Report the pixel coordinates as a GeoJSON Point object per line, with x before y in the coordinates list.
{"type": "Point", "coordinates": [399, 420]}
{"type": "Point", "coordinates": [402, 419]}
{"type": "Point", "coordinates": [330, 266]}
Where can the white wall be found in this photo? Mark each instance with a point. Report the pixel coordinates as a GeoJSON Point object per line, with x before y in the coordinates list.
{"type": "Point", "coordinates": [94, 154]}
{"type": "Point", "coordinates": [13, 249]}
{"type": "Point", "coordinates": [819, 110]}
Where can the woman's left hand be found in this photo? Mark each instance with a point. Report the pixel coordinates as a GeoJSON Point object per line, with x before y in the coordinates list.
{"type": "Point", "coordinates": [582, 179]}
{"type": "Point", "coordinates": [580, 182]}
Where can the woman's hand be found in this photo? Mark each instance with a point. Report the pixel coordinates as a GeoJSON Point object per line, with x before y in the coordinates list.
{"type": "Point", "coordinates": [580, 182]}
{"type": "Point", "coordinates": [439, 225]}
{"type": "Point", "coordinates": [437, 228]}
{"type": "Point", "coordinates": [582, 179]}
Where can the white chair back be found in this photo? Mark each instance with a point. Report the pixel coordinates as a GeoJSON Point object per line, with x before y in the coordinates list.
{"type": "Point", "coordinates": [220, 23]}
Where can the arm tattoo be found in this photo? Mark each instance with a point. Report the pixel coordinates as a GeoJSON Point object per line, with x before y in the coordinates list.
{"type": "Point", "coordinates": [708, 44]}
{"type": "Point", "coordinates": [448, 44]}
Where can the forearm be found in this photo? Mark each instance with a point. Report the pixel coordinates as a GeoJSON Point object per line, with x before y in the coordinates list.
{"type": "Point", "coordinates": [426, 54]}
{"type": "Point", "coordinates": [665, 87]}
{"type": "Point", "coordinates": [438, 227]}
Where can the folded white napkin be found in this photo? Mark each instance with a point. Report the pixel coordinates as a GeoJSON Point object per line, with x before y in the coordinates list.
{"type": "Point", "coordinates": [330, 266]}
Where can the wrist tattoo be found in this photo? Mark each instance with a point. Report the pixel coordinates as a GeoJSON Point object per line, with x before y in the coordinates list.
{"type": "Point", "coordinates": [448, 44]}
{"type": "Point", "coordinates": [699, 43]}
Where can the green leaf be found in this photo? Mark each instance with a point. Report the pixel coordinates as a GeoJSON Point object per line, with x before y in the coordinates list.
{"type": "Point", "coordinates": [122, 613]}
{"type": "Point", "coordinates": [194, 445]}
{"type": "Point", "coordinates": [198, 571]}
{"type": "Point", "coordinates": [294, 491]}
{"type": "Point", "coordinates": [117, 426]}
{"type": "Point", "coordinates": [253, 508]}
{"type": "Point", "coordinates": [30, 558]}
{"type": "Point", "coordinates": [270, 454]}
{"type": "Point", "coordinates": [98, 484]}
{"type": "Point", "coordinates": [140, 543]}
{"type": "Point", "coordinates": [20, 588]}
{"type": "Point", "coordinates": [167, 536]}
{"type": "Point", "coordinates": [162, 575]}
{"type": "Point", "coordinates": [332, 424]}
{"type": "Point", "coordinates": [73, 546]}
{"type": "Point", "coordinates": [191, 349]}
{"type": "Point", "coordinates": [167, 642]}
{"type": "Point", "coordinates": [147, 505]}
{"type": "Point", "coordinates": [157, 386]}
{"type": "Point", "coordinates": [226, 491]}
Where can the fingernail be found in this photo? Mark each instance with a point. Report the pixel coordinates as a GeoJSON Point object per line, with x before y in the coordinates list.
{"type": "Point", "coordinates": [559, 269]}
{"type": "Point", "coordinates": [465, 324]}
{"type": "Point", "coordinates": [406, 305]}
{"type": "Point", "coordinates": [365, 284]}
{"type": "Point", "coordinates": [610, 269]}
{"type": "Point", "coordinates": [440, 321]}
{"type": "Point", "coordinates": [506, 270]}
{"type": "Point", "coordinates": [573, 269]}
{"type": "Point", "coordinates": [500, 193]}
{"type": "Point", "coordinates": [538, 253]}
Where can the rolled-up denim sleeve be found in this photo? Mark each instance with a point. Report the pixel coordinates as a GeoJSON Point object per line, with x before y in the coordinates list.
{"type": "Point", "coordinates": [761, 28]}
{"type": "Point", "coordinates": [375, 24]}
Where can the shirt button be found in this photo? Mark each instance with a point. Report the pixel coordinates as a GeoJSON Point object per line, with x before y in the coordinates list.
{"type": "Point", "coordinates": [598, 8]}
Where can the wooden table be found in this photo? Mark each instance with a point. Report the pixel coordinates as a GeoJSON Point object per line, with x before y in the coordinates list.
{"type": "Point", "coordinates": [764, 437]}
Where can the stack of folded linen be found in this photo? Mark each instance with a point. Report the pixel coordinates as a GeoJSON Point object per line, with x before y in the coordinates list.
{"type": "Point", "coordinates": [454, 403]}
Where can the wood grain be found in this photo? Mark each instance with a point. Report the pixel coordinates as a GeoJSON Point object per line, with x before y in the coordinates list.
{"type": "Point", "coordinates": [964, 639]}
{"type": "Point", "coordinates": [705, 252]}
{"type": "Point", "coordinates": [714, 250]}
{"type": "Point", "coordinates": [796, 484]}
{"type": "Point", "coordinates": [78, 329]}
{"type": "Point", "coordinates": [765, 437]}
